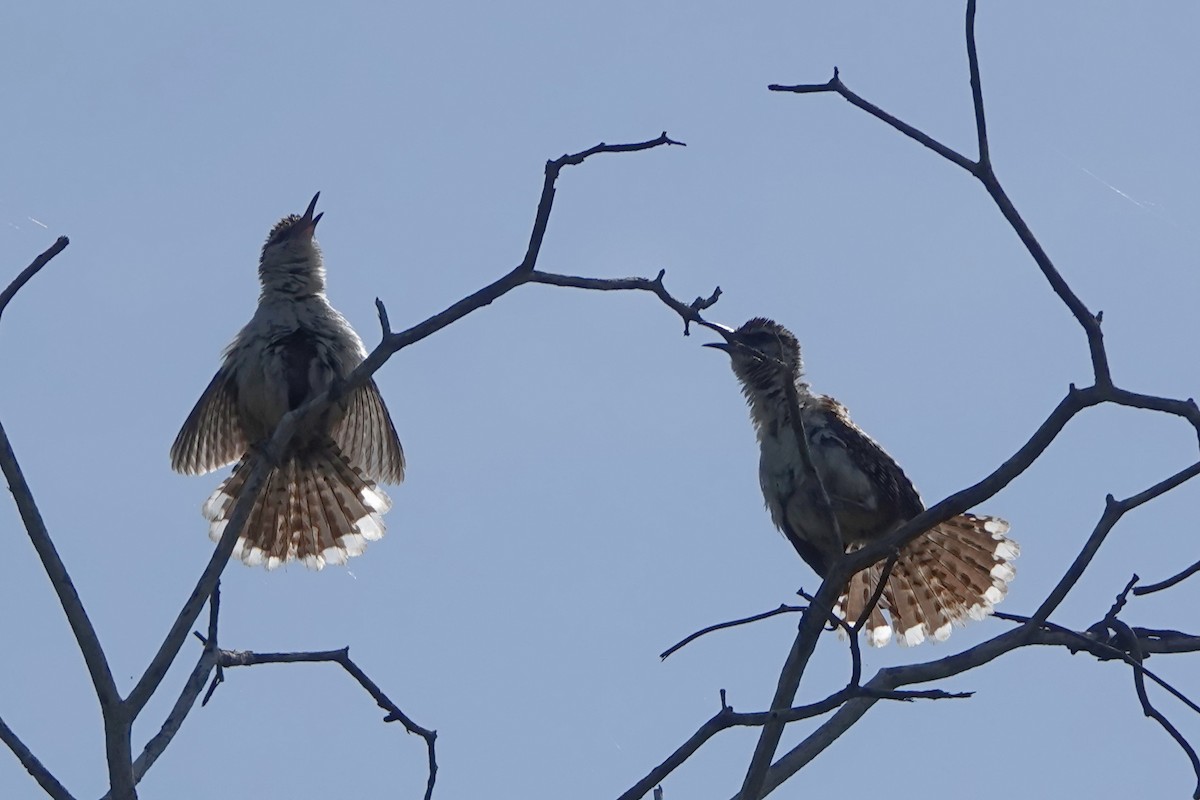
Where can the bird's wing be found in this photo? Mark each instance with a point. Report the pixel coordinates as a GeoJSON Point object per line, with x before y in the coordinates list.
{"type": "Point", "coordinates": [368, 438]}
{"type": "Point", "coordinates": [212, 435]}
{"type": "Point", "coordinates": [893, 491]}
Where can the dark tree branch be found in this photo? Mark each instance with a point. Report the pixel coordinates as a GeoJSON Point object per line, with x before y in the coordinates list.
{"type": "Point", "coordinates": [982, 170]}
{"type": "Point", "coordinates": [169, 649]}
{"type": "Point", "coordinates": [985, 161]}
{"type": "Point", "coordinates": [30, 762]}
{"type": "Point", "coordinates": [812, 622]}
{"type": "Point", "coordinates": [783, 609]}
{"type": "Point", "coordinates": [1169, 582]}
{"type": "Point", "coordinates": [243, 658]}
{"type": "Point", "coordinates": [56, 570]}
{"type": "Point", "coordinates": [33, 269]}
{"type": "Point", "coordinates": [689, 313]}
{"type": "Point", "coordinates": [116, 720]}
{"type": "Point", "coordinates": [384, 324]}
{"type": "Point", "coordinates": [728, 718]}
{"type": "Point", "coordinates": [1139, 683]}
{"type": "Point", "coordinates": [554, 167]}
{"type": "Point", "coordinates": [1107, 649]}
{"type": "Point", "coordinates": [1113, 511]}
{"type": "Point", "coordinates": [836, 86]}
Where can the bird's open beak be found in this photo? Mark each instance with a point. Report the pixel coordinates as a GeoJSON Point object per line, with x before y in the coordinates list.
{"type": "Point", "coordinates": [310, 221]}
{"type": "Point", "coordinates": [727, 345]}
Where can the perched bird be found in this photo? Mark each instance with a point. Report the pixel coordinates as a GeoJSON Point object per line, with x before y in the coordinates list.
{"type": "Point", "coordinates": [958, 570]}
{"type": "Point", "coordinates": [320, 503]}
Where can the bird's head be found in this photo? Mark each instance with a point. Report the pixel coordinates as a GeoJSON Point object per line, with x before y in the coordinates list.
{"type": "Point", "coordinates": [763, 353]}
{"type": "Point", "coordinates": [291, 259]}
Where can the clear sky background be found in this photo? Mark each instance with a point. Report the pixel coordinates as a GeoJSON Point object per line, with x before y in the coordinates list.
{"type": "Point", "coordinates": [582, 483]}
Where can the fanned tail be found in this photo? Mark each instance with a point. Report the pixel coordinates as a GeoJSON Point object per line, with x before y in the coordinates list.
{"type": "Point", "coordinates": [315, 508]}
{"type": "Point", "coordinates": [957, 571]}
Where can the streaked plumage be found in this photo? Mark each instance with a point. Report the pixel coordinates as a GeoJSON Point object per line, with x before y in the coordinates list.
{"type": "Point", "coordinates": [321, 503]}
{"type": "Point", "coordinates": [957, 571]}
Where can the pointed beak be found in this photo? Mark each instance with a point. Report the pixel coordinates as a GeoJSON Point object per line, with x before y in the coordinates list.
{"type": "Point", "coordinates": [727, 345]}
{"type": "Point", "coordinates": [310, 221]}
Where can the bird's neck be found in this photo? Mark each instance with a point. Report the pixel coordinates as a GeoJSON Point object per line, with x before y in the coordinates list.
{"type": "Point", "coordinates": [771, 407]}
{"type": "Point", "coordinates": [283, 280]}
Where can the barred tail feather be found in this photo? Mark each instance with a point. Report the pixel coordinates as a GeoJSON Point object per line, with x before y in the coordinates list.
{"type": "Point", "coordinates": [315, 507]}
{"type": "Point", "coordinates": [957, 571]}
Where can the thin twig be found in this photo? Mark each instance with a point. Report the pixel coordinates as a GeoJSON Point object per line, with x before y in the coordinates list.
{"type": "Point", "coordinates": [1169, 582]}
{"type": "Point", "coordinates": [726, 717]}
{"type": "Point", "coordinates": [242, 658]}
{"type": "Point", "coordinates": [783, 609]}
{"type": "Point", "coordinates": [985, 160]}
{"type": "Point", "coordinates": [1148, 708]}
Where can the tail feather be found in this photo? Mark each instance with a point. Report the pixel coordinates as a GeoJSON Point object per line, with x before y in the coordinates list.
{"type": "Point", "coordinates": [315, 507]}
{"type": "Point", "coordinates": [957, 571]}
{"type": "Point", "coordinates": [858, 593]}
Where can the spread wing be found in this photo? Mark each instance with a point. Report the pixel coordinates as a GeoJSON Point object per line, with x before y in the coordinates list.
{"type": "Point", "coordinates": [895, 498]}
{"type": "Point", "coordinates": [367, 437]}
{"type": "Point", "coordinates": [212, 435]}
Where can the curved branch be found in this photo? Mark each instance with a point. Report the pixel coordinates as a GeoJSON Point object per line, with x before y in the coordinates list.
{"type": "Point", "coordinates": [720, 626]}
{"type": "Point", "coordinates": [33, 269]}
{"type": "Point", "coordinates": [244, 658]}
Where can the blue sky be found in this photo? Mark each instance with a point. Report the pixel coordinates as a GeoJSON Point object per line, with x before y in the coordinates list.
{"type": "Point", "coordinates": [582, 485]}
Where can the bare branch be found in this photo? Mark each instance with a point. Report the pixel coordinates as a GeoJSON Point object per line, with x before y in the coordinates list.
{"type": "Point", "coordinates": [1113, 511]}
{"type": "Point", "coordinates": [689, 312]}
{"type": "Point", "coordinates": [982, 170]}
{"type": "Point", "coordinates": [783, 609]}
{"type": "Point", "coordinates": [243, 658]}
{"type": "Point", "coordinates": [836, 86]}
{"type": "Point", "coordinates": [31, 763]}
{"type": "Point", "coordinates": [384, 324]}
{"type": "Point", "coordinates": [1169, 582]}
{"type": "Point", "coordinates": [169, 649]}
{"type": "Point", "coordinates": [985, 160]}
{"type": "Point", "coordinates": [33, 269]}
{"type": "Point", "coordinates": [174, 720]}
{"type": "Point", "coordinates": [1148, 708]}
{"type": "Point", "coordinates": [35, 527]}
{"type": "Point", "coordinates": [554, 167]}
{"type": "Point", "coordinates": [81, 626]}
{"type": "Point", "coordinates": [811, 624]}
{"type": "Point", "coordinates": [728, 718]}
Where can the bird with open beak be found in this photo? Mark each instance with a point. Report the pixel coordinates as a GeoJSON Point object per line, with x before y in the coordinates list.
{"type": "Point", "coordinates": [321, 502]}
{"type": "Point", "coordinates": [957, 571]}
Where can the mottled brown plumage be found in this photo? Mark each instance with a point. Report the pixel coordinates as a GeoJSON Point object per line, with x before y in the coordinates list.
{"type": "Point", "coordinates": [956, 571]}
{"type": "Point", "coordinates": [320, 503]}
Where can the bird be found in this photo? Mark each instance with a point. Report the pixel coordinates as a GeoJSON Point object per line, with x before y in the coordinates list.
{"type": "Point", "coordinates": [957, 571]}
{"type": "Point", "coordinates": [321, 502]}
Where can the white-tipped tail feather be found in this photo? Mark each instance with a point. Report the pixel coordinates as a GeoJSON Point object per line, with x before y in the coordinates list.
{"type": "Point", "coordinates": [316, 508]}
{"type": "Point", "coordinates": [958, 571]}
